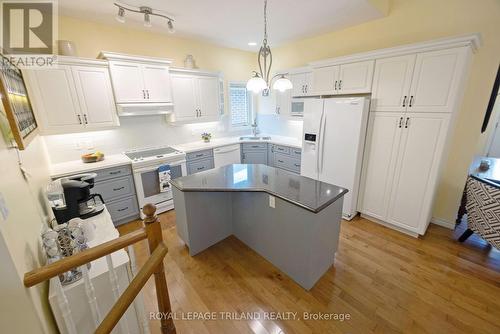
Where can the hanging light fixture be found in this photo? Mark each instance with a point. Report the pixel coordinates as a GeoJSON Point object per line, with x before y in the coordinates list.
{"type": "Point", "coordinates": [147, 12]}
{"type": "Point", "coordinates": [260, 81]}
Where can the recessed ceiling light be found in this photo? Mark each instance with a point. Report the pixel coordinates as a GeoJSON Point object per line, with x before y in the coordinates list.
{"type": "Point", "coordinates": [252, 43]}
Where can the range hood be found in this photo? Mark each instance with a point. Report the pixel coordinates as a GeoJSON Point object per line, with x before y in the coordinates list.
{"type": "Point", "coordinates": [144, 109]}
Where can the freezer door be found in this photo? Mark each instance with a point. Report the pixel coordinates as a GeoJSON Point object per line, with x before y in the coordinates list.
{"type": "Point", "coordinates": [342, 145]}
{"type": "Point", "coordinates": [311, 136]}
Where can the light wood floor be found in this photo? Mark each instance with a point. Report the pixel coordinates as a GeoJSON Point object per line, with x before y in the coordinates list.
{"type": "Point", "coordinates": [386, 281]}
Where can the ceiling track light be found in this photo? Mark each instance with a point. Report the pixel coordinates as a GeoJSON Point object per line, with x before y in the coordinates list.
{"type": "Point", "coordinates": [147, 12]}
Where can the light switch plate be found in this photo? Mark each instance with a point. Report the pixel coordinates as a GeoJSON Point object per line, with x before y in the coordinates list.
{"type": "Point", "coordinates": [4, 211]}
{"type": "Point", "coordinates": [272, 201]}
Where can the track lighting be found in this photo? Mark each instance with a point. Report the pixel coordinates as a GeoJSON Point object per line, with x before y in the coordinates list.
{"type": "Point", "coordinates": [147, 12]}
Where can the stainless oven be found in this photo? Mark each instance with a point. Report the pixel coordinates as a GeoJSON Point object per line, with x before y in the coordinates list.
{"type": "Point", "coordinates": [147, 184]}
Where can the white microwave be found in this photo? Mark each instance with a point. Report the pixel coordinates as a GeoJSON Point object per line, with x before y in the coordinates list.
{"type": "Point", "coordinates": [297, 107]}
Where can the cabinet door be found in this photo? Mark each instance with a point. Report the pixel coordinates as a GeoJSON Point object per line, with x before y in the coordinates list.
{"type": "Point", "coordinates": [208, 95]}
{"type": "Point", "coordinates": [356, 78]}
{"type": "Point", "coordinates": [157, 83]}
{"type": "Point", "coordinates": [184, 97]}
{"type": "Point", "coordinates": [435, 81]}
{"type": "Point", "coordinates": [93, 87]}
{"type": "Point", "coordinates": [417, 167]}
{"type": "Point", "coordinates": [391, 83]}
{"type": "Point", "coordinates": [55, 99]}
{"type": "Point", "coordinates": [127, 82]}
{"type": "Point", "coordinates": [283, 103]}
{"type": "Point", "coordinates": [299, 83]}
{"type": "Point", "coordinates": [308, 81]}
{"type": "Point", "coordinates": [254, 157]}
{"type": "Point", "coordinates": [325, 80]}
{"type": "Point", "coordinates": [382, 144]}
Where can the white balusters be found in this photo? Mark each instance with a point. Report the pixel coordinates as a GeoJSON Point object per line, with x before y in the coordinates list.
{"type": "Point", "coordinates": [91, 298]}
{"type": "Point", "coordinates": [64, 307]}
{"type": "Point", "coordinates": [139, 305]}
{"type": "Point", "coordinates": [116, 291]}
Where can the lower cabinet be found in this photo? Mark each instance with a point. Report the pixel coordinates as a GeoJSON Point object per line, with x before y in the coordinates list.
{"type": "Point", "coordinates": [117, 188]}
{"type": "Point", "coordinates": [254, 153]}
{"type": "Point", "coordinates": [199, 161]}
{"type": "Point", "coordinates": [401, 166]}
{"type": "Point", "coordinates": [285, 157]}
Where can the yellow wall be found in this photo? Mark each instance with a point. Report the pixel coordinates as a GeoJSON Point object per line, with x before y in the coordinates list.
{"type": "Point", "coordinates": [28, 211]}
{"type": "Point", "coordinates": [91, 38]}
{"type": "Point", "coordinates": [411, 21]}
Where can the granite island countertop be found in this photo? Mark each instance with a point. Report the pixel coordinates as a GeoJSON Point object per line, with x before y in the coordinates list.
{"type": "Point", "coordinates": [302, 191]}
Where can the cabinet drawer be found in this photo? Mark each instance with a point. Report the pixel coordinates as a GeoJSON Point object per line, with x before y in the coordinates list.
{"type": "Point", "coordinates": [254, 146]}
{"type": "Point", "coordinates": [111, 173]}
{"type": "Point", "coordinates": [123, 208]}
{"type": "Point", "coordinates": [199, 166]}
{"type": "Point", "coordinates": [199, 155]}
{"type": "Point", "coordinates": [115, 188]}
{"type": "Point", "coordinates": [295, 153]}
{"type": "Point", "coordinates": [281, 149]}
{"type": "Point", "coordinates": [287, 162]}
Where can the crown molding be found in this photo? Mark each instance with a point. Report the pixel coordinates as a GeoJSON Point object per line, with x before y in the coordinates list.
{"type": "Point", "coordinates": [126, 57]}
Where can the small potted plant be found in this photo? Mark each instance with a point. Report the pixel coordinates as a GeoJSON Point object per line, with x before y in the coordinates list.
{"type": "Point", "coordinates": [206, 137]}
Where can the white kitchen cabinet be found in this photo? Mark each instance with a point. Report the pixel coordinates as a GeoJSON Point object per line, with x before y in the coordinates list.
{"type": "Point", "coordinates": [352, 78]}
{"type": "Point", "coordinates": [325, 80]}
{"type": "Point", "coordinates": [75, 95]}
{"type": "Point", "coordinates": [420, 151]}
{"type": "Point", "coordinates": [391, 83]}
{"type": "Point", "coordinates": [208, 96]}
{"type": "Point", "coordinates": [157, 83]}
{"type": "Point", "coordinates": [184, 97]}
{"type": "Point", "coordinates": [127, 82]}
{"type": "Point", "coordinates": [138, 79]}
{"type": "Point", "coordinates": [196, 97]}
{"type": "Point", "coordinates": [435, 80]}
{"type": "Point", "coordinates": [382, 144]}
{"type": "Point", "coordinates": [283, 103]}
{"type": "Point", "coordinates": [93, 86]}
{"type": "Point", "coordinates": [401, 164]}
{"type": "Point", "coordinates": [302, 83]}
{"type": "Point", "coordinates": [422, 82]}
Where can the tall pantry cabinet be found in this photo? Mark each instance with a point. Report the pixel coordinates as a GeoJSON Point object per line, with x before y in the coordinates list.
{"type": "Point", "coordinates": [414, 97]}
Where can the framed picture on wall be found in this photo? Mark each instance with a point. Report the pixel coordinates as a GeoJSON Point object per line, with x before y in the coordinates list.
{"type": "Point", "coordinates": [16, 105]}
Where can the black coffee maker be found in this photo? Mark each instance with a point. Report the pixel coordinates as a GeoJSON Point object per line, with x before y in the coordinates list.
{"type": "Point", "coordinates": [70, 198]}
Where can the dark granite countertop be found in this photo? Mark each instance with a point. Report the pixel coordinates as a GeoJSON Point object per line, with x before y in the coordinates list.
{"type": "Point", "coordinates": [299, 190]}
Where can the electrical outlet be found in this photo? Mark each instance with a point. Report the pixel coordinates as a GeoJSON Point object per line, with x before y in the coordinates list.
{"type": "Point", "coordinates": [272, 201]}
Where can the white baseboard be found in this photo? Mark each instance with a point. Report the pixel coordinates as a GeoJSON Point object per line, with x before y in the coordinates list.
{"type": "Point", "coordinates": [443, 223]}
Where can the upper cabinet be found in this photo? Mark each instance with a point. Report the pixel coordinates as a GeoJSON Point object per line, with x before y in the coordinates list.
{"type": "Point", "coordinates": [75, 95]}
{"type": "Point", "coordinates": [352, 78]}
{"type": "Point", "coordinates": [196, 96]}
{"type": "Point", "coordinates": [302, 83]}
{"type": "Point", "coordinates": [139, 79]}
{"type": "Point", "coordinates": [422, 82]}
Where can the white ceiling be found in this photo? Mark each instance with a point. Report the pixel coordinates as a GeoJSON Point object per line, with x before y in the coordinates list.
{"type": "Point", "coordinates": [234, 23]}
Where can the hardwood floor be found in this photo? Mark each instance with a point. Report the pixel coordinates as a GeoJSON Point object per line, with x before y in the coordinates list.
{"type": "Point", "coordinates": [385, 281]}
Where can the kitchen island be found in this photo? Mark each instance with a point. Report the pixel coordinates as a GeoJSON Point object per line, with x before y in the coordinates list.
{"type": "Point", "coordinates": [291, 220]}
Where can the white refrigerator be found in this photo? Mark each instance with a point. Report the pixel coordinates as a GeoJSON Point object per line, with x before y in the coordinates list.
{"type": "Point", "coordinates": [333, 143]}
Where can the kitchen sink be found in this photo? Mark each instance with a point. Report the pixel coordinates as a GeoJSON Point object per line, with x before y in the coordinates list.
{"type": "Point", "coordinates": [254, 138]}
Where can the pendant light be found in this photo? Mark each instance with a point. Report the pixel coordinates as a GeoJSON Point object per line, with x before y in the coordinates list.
{"type": "Point", "coordinates": [259, 82]}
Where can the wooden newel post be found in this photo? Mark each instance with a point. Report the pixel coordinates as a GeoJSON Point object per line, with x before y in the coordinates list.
{"type": "Point", "coordinates": [155, 237]}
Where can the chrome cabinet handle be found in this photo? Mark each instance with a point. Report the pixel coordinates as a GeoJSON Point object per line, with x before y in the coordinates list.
{"type": "Point", "coordinates": [118, 189]}
{"type": "Point", "coordinates": [280, 161]}
{"type": "Point", "coordinates": [411, 101]}
{"type": "Point", "coordinates": [307, 88]}
{"type": "Point", "coordinates": [147, 93]}
{"type": "Point", "coordinates": [335, 85]}
{"type": "Point", "coordinates": [296, 165]}
{"type": "Point", "coordinates": [125, 208]}
{"type": "Point", "coordinates": [404, 101]}
{"type": "Point", "coordinates": [407, 123]}
{"type": "Point", "coordinates": [200, 168]}
{"type": "Point", "coordinates": [79, 119]}
{"type": "Point", "coordinates": [114, 173]}
{"type": "Point", "coordinates": [278, 110]}
{"type": "Point", "coordinates": [143, 94]}
{"type": "Point", "coordinates": [400, 122]}
{"type": "Point", "coordinates": [340, 84]}
{"type": "Point", "coordinates": [85, 118]}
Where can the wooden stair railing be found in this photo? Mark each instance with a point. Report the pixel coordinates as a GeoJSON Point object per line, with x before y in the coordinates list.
{"type": "Point", "coordinates": [154, 265]}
